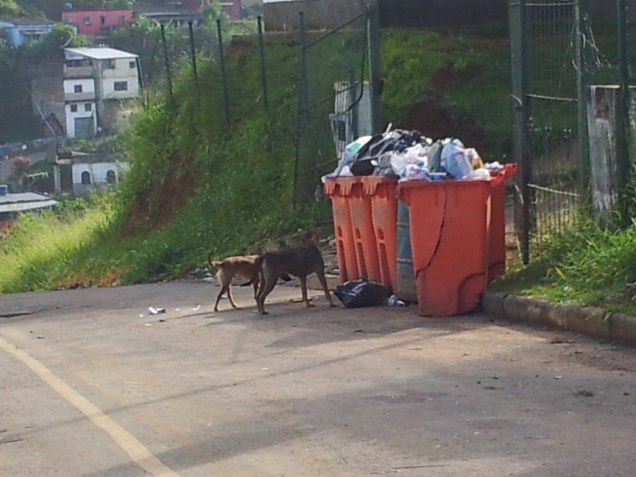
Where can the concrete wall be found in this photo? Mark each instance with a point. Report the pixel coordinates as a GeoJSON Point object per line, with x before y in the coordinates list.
{"type": "Point", "coordinates": [125, 69]}
{"type": "Point", "coordinates": [319, 15]}
{"type": "Point", "coordinates": [47, 96]}
{"type": "Point", "coordinates": [328, 14]}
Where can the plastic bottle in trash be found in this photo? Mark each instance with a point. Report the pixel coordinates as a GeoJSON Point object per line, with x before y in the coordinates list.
{"type": "Point", "coordinates": [395, 301]}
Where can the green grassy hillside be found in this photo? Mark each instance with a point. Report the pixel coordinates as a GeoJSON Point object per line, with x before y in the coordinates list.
{"type": "Point", "coordinates": [197, 185]}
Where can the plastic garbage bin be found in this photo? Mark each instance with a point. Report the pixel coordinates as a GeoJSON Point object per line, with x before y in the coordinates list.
{"type": "Point", "coordinates": [449, 223]}
{"type": "Point", "coordinates": [363, 234]}
{"type": "Point", "coordinates": [497, 238]}
{"type": "Point", "coordinates": [405, 279]}
{"type": "Point", "coordinates": [339, 191]}
{"type": "Point", "coordinates": [382, 191]}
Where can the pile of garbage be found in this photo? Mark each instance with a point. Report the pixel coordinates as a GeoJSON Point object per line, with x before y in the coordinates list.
{"type": "Point", "coordinates": [409, 155]}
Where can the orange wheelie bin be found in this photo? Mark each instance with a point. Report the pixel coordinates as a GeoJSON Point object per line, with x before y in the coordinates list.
{"type": "Point", "coordinates": [339, 191]}
{"type": "Point", "coordinates": [363, 234]}
{"type": "Point", "coordinates": [497, 240]}
{"type": "Point", "coordinates": [449, 228]}
{"type": "Point", "coordinates": [382, 192]}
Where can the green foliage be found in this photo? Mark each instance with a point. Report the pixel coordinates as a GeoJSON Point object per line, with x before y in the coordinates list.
{"type": "Point", "coordinates": [43, 250]}
{"type": "Point", "coordinates": [8, 8]}
{"type": "Point", "coordinates": [586, 265]}
{"type": "Point", "coordinates": [463, 75]}
{"type": "Point", "coordinates": [198, 185]}
{"type": "Point", "coordinates": [52, 44]}
{"type": "Point", "coordinates": [213, 12]}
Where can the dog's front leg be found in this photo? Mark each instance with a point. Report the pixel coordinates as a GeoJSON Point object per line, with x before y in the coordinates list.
{"type": "Point", "coordinates": [325, 288]}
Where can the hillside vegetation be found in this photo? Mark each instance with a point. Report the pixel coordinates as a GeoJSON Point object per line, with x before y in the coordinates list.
{"type": "Point", "coordinates": [197, 185]}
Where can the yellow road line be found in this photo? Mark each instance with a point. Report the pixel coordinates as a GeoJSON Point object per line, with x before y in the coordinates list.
{"type": "Point", "coordinates": [139, 453]}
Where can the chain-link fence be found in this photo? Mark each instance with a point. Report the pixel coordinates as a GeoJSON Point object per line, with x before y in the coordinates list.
{"type": "Point", "coordinates": [335, 99]}
{"type": "Point", "coordinates": [332, 86]}
{"type": "Point", "coordinates": [570, 114]}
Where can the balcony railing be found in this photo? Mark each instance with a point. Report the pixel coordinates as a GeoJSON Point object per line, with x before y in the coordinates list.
{"type": "Point", "coordinates": [78, 71]}
{"type": "Point", "coordinates": [84, 96]}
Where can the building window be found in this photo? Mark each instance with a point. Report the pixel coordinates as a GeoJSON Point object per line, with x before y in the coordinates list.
{"type": "Point", "coordinates": [102, 20]}
{"type": "Point", "coordinates": [73, 108]}
{"type": "Point", "coordinates": [88, 107]}
{"type": "Point", "coordinates": [110, 64]}
{"type": "Point", "coordinates": [77, 88]}
{"type": "Point", "coordinates": [121, 85]}
{"type": "Point", "coordinates": [132, 65]}
{"type": "Point", "coordinates": [86, 177]}
{"type": "Point", "coordinates": [111, 177]}
{"type": "Point", "coordinates": [87, 20]}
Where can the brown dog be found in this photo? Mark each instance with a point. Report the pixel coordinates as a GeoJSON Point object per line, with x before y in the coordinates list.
{"type": "Point", "coordinates": [243, 266]}
{"type": "Point", "coordinates": [298, 261]}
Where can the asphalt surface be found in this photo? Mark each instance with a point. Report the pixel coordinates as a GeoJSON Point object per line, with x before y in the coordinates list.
{"type": "Point", "coordinates": [92, 385]}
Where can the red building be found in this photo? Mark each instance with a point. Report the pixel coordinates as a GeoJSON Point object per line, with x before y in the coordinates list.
{"type": "Point", "coordinates": [232, 9]}
{"type": "Point", "coordinates": [97, 22]}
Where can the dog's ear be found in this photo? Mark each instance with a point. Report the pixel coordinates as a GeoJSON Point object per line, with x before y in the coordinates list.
{"type": "Point", "coordinates": [308, 237]}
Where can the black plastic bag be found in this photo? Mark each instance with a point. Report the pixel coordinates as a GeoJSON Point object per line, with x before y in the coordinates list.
{"type": "Point", "coordinates": [360, 293]}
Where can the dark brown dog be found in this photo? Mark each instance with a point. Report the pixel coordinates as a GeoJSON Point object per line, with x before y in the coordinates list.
{"type": "Point", "coordinates": [298, 261]}
{"type": "Point", "coordinates": [243, 266]}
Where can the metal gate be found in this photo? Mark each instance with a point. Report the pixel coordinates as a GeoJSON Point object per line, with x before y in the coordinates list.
{"type": "Point", "coordinates": [573, 117]}
{"type": "Point", "coordinates": [550, 134]}
{"type": "Point", "coordinates": [84, 127]}
{"type": "Point", "coordinates": [338, 97]}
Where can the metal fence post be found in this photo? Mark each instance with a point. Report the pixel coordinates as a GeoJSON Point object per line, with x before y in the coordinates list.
{"type": "Point", "coordinates": [520, 115]}
{"type": "Point", "coordinates": [353, 95]}
{"type": "Point", "coordinates": [302, 102]}
{"type": "Point", "coordinates": [581, 11]}
{"type": "Point", "coordinates": [375, 78]}
{"type": "Point", "coordinates": [167, 62]}
{"type": "Point", "coordinates": [193, 56]}
{"type": "Point", "coordinates": [226, 101]}
{"type": "Point", "coordinates": [261, 50]}
{"type": "Point", "coordinates": [623, 166]}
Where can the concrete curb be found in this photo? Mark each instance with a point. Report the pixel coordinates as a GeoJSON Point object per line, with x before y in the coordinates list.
{"type": "Point", "coordinates": [590, 321]}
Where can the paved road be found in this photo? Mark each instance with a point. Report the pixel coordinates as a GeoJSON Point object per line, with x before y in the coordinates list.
{"type": "Point", "coordinates": [92, 388]}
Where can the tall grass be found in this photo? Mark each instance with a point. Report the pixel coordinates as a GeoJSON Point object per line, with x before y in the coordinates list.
{"type": "Point", "coordinates": [42, 249]}
{"type": "Point", "coordinates": [586, 265]}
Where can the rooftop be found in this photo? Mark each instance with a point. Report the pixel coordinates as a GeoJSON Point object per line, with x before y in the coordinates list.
{"type": "Point", "coordinates": [100, 53]}
{"type": "Point", "coordinates": [27, 21]}
{"type": "Point", "coordinates": [24, 201]}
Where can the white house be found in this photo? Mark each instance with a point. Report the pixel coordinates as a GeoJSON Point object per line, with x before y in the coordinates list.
{"type": "Point", "coordinates": [93, 172]}
{"type": "Point", "coordinates": [80, 107]}
{"type": "Point", "coordinates": [97, 82]}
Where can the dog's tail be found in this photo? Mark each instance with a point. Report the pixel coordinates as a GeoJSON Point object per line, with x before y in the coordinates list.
{"type": "Point", "coordinates": [258, 266]}
{"type": "Point", "coordinates": [213, 264]}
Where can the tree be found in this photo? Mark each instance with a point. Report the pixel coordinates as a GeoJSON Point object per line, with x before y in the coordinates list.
{"type": "Point", "coordinates": [62, 36]}
{"type": "Point", "coordinates": [8, 8]}
{"type": "Point", "coordinates": [20, 165]}
{"type": "Point", "coordinates": [214, 11]}
{"type": "Point", "coordinates": [119, 4]}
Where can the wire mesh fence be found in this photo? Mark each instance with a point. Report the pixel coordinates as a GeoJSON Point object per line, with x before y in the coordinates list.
{"type": "Point", "coordinates": [334, 100]}
{"type": "Point", "coordinates": [570, 75]}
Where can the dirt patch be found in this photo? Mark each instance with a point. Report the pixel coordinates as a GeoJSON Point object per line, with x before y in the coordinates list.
{"type": "Point", "coordinates": [162, 202]}
{"type": "Point", "coordinates": [433, 120]}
